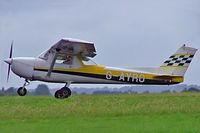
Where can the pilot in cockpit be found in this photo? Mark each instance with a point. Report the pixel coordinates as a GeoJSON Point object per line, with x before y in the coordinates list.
{"type": "Point", "coordinates": [68, 60]}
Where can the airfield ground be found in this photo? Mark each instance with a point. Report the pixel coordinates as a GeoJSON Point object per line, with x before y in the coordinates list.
{"type": "Point", "coordinates": [171, 112]}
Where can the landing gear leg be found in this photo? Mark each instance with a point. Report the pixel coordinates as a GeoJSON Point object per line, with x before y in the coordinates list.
{"type": "Point", "coordinates": [64, 92]}
{"type": "Point", "coordinates": [22, 90]}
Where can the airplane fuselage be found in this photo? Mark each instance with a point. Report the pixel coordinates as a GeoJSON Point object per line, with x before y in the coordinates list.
{"type": "Point", "coordinates": [37, 69]}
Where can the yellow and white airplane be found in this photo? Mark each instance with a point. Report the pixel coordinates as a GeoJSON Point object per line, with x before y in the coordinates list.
{"type": "Point", "coordinates": [67, 62]}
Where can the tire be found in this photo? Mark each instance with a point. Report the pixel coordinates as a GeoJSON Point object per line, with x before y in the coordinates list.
{"type": "Point", "coordinates": [63, 93]}
{"type": "Point", "coordinates": [66, 92]}
{"type": "Point", "coordinates": [22, 91]}
{"type": "Point", "coordinates": [58, 94]}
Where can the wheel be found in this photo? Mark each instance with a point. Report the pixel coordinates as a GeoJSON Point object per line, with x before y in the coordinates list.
{"type": "Point", "coordinates": [58, 94]}
{"type": "Point", "coordinates": [64, 92]}
{"type": "Point", "coordinates": [22, 91]}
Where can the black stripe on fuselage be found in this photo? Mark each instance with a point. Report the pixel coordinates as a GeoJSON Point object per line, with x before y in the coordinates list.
{"type": "Point", "coordinates": [114, 78]}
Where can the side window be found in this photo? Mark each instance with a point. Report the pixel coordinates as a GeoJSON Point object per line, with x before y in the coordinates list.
{"type": "Point", "coordinates": [89, 62]}
{"type": "Point", "coordinates": [68, 60]}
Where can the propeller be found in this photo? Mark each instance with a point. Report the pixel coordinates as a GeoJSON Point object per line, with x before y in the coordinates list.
{"type": "Point", "coordinates": [9, 61]}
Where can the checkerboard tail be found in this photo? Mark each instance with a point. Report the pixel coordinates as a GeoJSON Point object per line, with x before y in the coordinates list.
{"type": "Point", "coordinates": [178, 63]}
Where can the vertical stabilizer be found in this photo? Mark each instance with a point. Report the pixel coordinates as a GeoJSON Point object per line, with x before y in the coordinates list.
{"type": "Point", "coordinates": [178, 63]}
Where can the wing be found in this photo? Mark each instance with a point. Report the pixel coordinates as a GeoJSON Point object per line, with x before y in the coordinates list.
{"type": "Point", "coordinates": [68, 47]}
{"type": "Point", "coordinates": [72, 47]}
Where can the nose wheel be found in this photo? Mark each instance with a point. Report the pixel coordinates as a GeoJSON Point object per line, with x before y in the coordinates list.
{"type": "Point", "coordinates": [22, 91]}
{"type": "Point", "coordinates": [64, 92]}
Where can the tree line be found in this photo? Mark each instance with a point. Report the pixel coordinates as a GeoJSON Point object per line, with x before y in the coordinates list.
{"type": "Point", "coordinates": [41, 89]}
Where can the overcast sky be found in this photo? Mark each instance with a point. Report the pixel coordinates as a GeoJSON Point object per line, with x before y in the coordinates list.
{"type": "Point", "coordinates": [126, 33]}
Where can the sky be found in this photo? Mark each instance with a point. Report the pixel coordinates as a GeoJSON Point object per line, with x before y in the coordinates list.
{"type": "Point", "coordinates": [126, 33]}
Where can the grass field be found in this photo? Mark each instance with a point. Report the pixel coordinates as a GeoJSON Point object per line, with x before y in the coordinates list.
{"type": "Point", "coordinates": [177, 112]}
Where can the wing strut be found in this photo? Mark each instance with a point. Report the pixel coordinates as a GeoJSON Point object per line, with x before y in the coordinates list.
{"type": "Point", "coordinates": [53, 62]}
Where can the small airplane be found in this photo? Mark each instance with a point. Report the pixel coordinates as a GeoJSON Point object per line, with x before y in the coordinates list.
{"type": "Point", "coordinates": [68, 61]}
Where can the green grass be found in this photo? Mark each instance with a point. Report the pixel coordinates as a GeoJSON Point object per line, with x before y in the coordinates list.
{"type": "Point", "coordinates": [177, 112]}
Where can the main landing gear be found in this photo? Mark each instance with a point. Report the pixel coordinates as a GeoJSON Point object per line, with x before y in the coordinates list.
{"type": "Point", "coordinates": [22, 91]}
{"type": "Point", "coordinates": [64, 92]}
